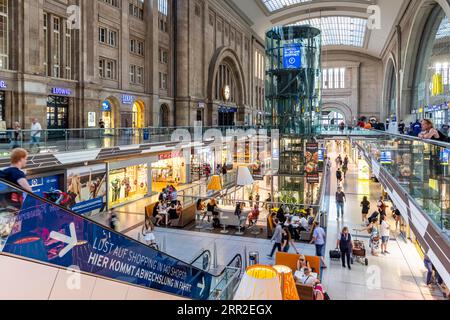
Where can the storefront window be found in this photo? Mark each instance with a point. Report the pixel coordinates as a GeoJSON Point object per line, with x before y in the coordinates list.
{"type": "Point", "coordinates": [392, 95]}
{"type": "Point", "coordinates": [57, 114]}
{"type": "Point", "coordinates": [431, 85]}
{"type": "Point", "coordinates": [170, 169]}
{"type": "Point", "coordinates": [2, 106]}
{"type": "Point", "coordinates": [128, 184]}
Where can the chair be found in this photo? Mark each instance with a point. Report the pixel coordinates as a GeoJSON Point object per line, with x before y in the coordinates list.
{"type": "Point", "coordinates": [305, 292]}
{"type": "Point", "coordinates": [199, 220]}
{"type": "Point", "coordinates": [241, 222]}
{"type": "Point", "coordinates": [209, 215]}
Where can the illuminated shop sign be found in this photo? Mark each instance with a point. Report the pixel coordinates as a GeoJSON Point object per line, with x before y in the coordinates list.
{"type": "Point", "coordinates": [3, 85]}
{"type": "Point", "coordinates": [170, 155]}
{"type": "Point", "coordinates": [61, 91]}
{"type": "Point", "coordinates": [127, 99]}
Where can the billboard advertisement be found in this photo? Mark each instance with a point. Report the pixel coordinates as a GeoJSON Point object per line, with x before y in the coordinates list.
{"type": "Point", "coordinates": [87, 187]}
{"type": "Point", "coordinates": [46, 233]}
{"type": "Point", "coordinates": [292, 56]}
{"type": "Point", "coordinates": [312, 163]}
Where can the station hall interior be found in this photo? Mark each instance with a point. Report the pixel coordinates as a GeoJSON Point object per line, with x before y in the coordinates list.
{"type": "Point", "coordinates": [225, 150]}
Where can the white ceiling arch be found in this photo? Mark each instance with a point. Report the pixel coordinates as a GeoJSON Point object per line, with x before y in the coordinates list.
{"type": "Point", "coordinates": [263, 19]}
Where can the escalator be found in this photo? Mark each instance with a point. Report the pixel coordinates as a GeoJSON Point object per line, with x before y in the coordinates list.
{"type": "Point", "coordinates": [39, 231]}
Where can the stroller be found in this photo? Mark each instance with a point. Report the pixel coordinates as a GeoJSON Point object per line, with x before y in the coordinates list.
{"type": "Point", "coordinates": [359, 253]}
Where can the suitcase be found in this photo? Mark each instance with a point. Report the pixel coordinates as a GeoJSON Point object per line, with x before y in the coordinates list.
{"type": "Point", "coordinates": [335, 255]}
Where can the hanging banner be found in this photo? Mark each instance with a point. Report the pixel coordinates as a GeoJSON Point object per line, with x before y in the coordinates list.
{"type": "Point", "coordinates": [48, 234]}
{"type": "Point", "coordinates": [312, 163]}
{"type": "Point", "coordinates": [292, 56]}
{"type": "Point", "coordinates": [87, 189]}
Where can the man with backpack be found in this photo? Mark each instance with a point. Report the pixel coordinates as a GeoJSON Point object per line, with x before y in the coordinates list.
{"type": "Point", "coordinates": [14, 173]}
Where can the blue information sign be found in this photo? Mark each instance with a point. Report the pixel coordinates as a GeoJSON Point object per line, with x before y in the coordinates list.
{"type": "Point", "coordinates": [292, 56]}
{"type": "Point", "coordinates": [386, 157]}
{"type": "Point", "coordinates": [49, 234]}
{"type": "Point", "coordinates": [45, 184]}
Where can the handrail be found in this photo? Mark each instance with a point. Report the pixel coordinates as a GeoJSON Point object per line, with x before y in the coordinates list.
{"type": "Point", "coordinates": [415, 139]}
{"type": "Point", "coordinates": [207, 252]}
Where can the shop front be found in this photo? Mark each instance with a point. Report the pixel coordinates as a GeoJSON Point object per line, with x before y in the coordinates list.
{"type": "Point", "coordinates": [169, 169]}
{"type": "Point", "coordinates": [107, 114]}
{"type": "Point", "coordinates": [227, 116]}
{"type": "Point", "coordinates": [202, 162]}
{"type": "Point", "coordinates": [58, 104]}
{"type": "Point", "coordinates": [128, 181]}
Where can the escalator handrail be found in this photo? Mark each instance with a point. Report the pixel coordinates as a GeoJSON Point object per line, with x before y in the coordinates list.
{"type": "Point", "coordinates": [201, 255]}
{"type": "Point", "coordinates": [18, 188]}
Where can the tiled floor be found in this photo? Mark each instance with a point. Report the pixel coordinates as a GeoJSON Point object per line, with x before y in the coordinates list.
{"type": "Point", "coordinates": [397, 276]}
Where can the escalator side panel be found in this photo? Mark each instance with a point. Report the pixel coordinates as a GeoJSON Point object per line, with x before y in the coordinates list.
{"type": "Point", "coordinates": [49, 234]}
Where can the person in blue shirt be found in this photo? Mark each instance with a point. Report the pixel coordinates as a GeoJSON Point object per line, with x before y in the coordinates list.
{"type": "Point", "coordinates": [319, 239]}
{"type": "Point", "coordinates": [416, 128]}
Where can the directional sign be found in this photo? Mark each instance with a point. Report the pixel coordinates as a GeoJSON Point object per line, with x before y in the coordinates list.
{"type": "Point", "coordinates": [70, 241]}
{"type": "Point", "coordinates": [292, 56]}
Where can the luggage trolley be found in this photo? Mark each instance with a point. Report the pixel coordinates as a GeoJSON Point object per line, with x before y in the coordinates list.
{"type": "Point", "coordinates": [359, 253]}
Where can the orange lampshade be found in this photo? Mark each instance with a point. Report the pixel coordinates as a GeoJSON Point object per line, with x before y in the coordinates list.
{"type": "Point", "coordinates": [215, 184]}
{"type": "Point", "coordinates": [288, 287]}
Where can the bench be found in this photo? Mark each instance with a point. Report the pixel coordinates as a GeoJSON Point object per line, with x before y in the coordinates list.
{"type": "Point", "coordinates": [290, 260]}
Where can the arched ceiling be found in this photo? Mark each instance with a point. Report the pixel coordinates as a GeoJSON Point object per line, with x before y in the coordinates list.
{"type": "Point", "coordinates": [344, 23]}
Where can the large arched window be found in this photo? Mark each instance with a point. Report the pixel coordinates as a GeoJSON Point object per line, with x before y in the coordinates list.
{"type": "Point", "coordinates": [392, 93]}
{"type": "Point", "coordinates": [226, 84]}
{"type": "Point", "coordinates": [432, 74]}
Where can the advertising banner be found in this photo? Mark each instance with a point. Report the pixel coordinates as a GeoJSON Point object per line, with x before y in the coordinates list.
{"type": "Point", "coordinates": [42, 185]}
{"type": "Point", "coordinates": [312, 163]}
{"type": "Point", "coordinates": [292, 56]}
{"type": "Point", "coordinates": [46, 233]}
{"type": "Point", "coordinates": [87, 189]}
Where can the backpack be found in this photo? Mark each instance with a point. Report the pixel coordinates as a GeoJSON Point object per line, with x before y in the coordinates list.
{"type": "Point", "coordinates": [443, 137]}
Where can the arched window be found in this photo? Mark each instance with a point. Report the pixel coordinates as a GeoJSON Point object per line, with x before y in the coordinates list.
{"type": "Point", "coordinates": [432, 73]}
{"type": "Point", "coordinates": [392, 93]}
{"type": "Point", "coordinates": [226, 84]}
{"type": "Point", "coordinates": [164, 116]}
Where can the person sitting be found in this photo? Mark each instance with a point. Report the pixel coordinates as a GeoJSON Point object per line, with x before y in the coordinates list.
{"type": "Point", "coordinates": [253, 216]}
{"type": "Point", "coordinates": [212, 206]}
{"type": "Point", "coordinates": [156, 214]}
{"type": "Point", "coordinates": [200, 205]}
{"type": "Point", "coordinates": [304, 225]}
{"type": "Point", "coordinates": [280, 215]}
{"type": "Point", "coordinates": [292, 230]}
{"type": "Point", "coordinates": [302, 263]}
{"type": "Point", "coordinates": [307, 278]}
{"type": "Point", "coordinates": [179, 207]}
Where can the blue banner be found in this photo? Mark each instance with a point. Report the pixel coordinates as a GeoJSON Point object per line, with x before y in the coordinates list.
{"type": "Point", "coordinates": [386, 157]}
{"type": "Point", "coordinates": [46, 233]}
{"type": "Point", "coordinates": [292, 56]}
{"type": "Point", "coordinates": [45, 184]}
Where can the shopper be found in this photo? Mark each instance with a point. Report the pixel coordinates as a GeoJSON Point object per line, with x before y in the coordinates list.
{"type": "Point", "coordinates": [319, 240]}
{"type": "Point", "coordinates": [385, 229]}
{"type": "Point", "coordinates": [431, 133]}
{"type": "Point", "coordinates": [307, 278]}
{"type": "Point", "coordinates": [365, 205]}
{"type": "Point", "coordinates": [372, 229]}
{"type": "Point", "coordinates": [147, 233]}
{"type": "Point", "coordinates": [416, 128]}
{"type": "Point", "coordinates": [286, 240]}
{"type": "Point", "coordinates": [397, 218]}
{"type": "Point", "coordinates": [277, 238]}
{"type": "Point", "coordinates": [401, 127]}
{"type": "Point", "coordinates": [340, 203]}
{"type": "Point", "coordinates": [36, 131]}
{"type": "Point", "coordinates": [268, 203]}
{"type": "Point", "coordinates": [253, 216]}
{"type": "Point", "coordinates": [14, 173]}
{"type": "Point", "coordinates": [381, 206]}
{"type": "Point", "coordinates": [113, 220]}
{"type": "Point", "coordinates": [345, 170]}
{"type": "Point", "coordinates": [429, 265]}
{"type": "Point", "coordinates": [345, 245]}
{"type": "Point", "coordinates": [16, 138]}
{"type": "Point", "coordinates": [257, 198]}
{"type": "Point", "coordinates": [156, 215]}
{"type": "Point", "coordinates": [280, 215]}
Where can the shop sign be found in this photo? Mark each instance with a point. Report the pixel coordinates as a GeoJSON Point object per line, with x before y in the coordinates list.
{"type": "Point", "coordinates": [292, 56]}
{"type": "Point", "coordinates": [106, 106]}
{"type": "Point", "coordinates": [61, 91]}
{"type": "Point", "coordinates": [170, 155]}
{"type": "Point", "coordinates": [227, 110]}
{"type": "Point", "coordinates": [386, 157]}
{"type": "Point", "coordinates": [3, 85]}
{"type": "Point", "coordinates": [127, 99]}
{"type": "Point", "coordinates": [51, 235]}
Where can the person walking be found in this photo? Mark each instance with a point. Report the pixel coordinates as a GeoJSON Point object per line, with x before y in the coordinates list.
{"type": "Point", "coordinates": [339, 175]}
{"type": "Point", "coordinates": [257, 198]}
{"type": "Point", "coordinates": [365, 205]}
{"type": "Point", "coordinates": [36, 132]}
{"type": "Point", "coordinates": [319, 240]}
{"type": "Point", "coordinates": [340, 203]}
{"type": "Point", "coordinates": [113, 220]}
{"type": "Point", "coordinates": [287, 241]}
{"type": "Point", "coordinates": [16, 136]}
{"type": "Point", "coordinates": [345, 245]}
{"type": "Point", "coordinates": [429, 266]}
{"type": "Point", "coordinates": [277, 239]}
{"type": "Point", "coordinates": [345, 170]}
{"type": "Point", "coordinates": [385, 230]}
{"type": "Point", "coordinates": [147, 233]}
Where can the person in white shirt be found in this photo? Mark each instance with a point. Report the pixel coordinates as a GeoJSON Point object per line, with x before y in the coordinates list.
{"type": "Point", "coordinates": [385, 234]}
{"type": "Point", "coordinates": [35, 133]}
{"type": "Point", "coordinates": [307, 278]}
{"type": "Point", "coordinates": [304, 224]}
